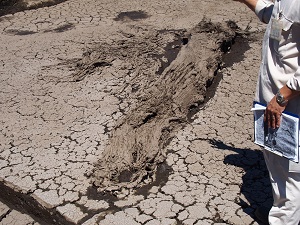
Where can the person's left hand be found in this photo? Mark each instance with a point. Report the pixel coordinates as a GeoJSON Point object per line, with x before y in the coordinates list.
{"type": "Point", "coordinates": [273, 113]}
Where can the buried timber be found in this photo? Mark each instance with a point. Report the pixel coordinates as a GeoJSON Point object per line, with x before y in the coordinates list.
{"type": "Point", "coordinates": [138, 143]}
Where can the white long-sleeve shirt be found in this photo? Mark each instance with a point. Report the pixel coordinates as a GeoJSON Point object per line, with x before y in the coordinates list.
{"type": "Point", "coordinates": [280, 59]}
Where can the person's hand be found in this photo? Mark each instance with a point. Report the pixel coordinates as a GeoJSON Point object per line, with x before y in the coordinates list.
{"type": "Point", "coordinates": [273, 113]}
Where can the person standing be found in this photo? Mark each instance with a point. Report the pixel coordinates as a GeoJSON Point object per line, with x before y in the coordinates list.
{"type": "Point", "coordinates": [278, 87]}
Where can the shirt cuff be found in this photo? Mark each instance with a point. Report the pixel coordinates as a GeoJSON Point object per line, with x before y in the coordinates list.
{"type": "Point", "coordinates": [260, 5]}
{"type": "Point", "coordinates": [294, 84]}
{"type": "Point", "coordinates": [260, 9]}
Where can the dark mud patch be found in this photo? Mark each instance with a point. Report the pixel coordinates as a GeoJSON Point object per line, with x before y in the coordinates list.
{"type": "Point", "coordinates": [137, 144]}
{"type": "Point", "coordinates": [171, 50]}
{"type": "Point", "coordinates": [64, 28]}
{"type": "Point", "coordinates": [161, 178]}
{"type": "Point", "coordinates": [236, 53]}
{"type": "Point", "coordinates": [233, 53]}
{"type": "Point", "coordinates": [142, 52]}
{"type": "Point", "coordinates": [132, 15]}
{"type": "Point", "coordinates": [93, 194]}
{"type": "Point", "coordinates": [14, 6]}
{"type": "Point", "coordinates": [20, 32]}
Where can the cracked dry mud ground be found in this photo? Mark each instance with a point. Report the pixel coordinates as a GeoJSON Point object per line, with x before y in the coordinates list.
{"type": "Point", "coordinates": [56, 121]}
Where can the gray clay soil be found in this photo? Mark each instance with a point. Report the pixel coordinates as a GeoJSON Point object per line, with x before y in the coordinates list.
{"type": "Point", "coordinates": [129, 112]}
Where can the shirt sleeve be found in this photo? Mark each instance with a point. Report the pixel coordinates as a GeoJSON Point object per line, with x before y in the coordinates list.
{"type": "Point", "coordinates": [294, 82]}
{"type": "Point", "coordinates": [263, 10]}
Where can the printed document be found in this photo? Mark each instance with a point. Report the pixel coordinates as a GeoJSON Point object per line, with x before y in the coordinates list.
{"type": "Point", "coordinates": [283, 141]}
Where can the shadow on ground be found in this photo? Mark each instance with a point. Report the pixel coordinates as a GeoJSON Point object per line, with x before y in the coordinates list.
{"type": "Point", "coordinates": [256, 186]}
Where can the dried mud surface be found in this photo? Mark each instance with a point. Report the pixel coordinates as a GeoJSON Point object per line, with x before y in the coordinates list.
{"type": "Point", "coordinates": [129, 112]}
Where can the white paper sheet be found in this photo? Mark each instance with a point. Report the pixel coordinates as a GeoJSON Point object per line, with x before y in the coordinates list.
{"type": "Point", "coordinates": [283, 141]}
